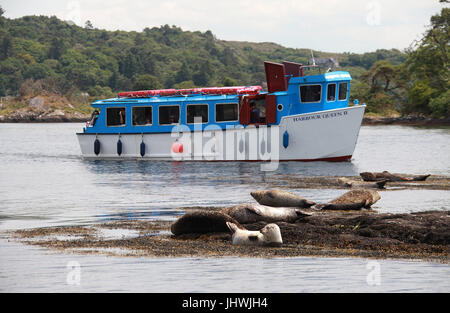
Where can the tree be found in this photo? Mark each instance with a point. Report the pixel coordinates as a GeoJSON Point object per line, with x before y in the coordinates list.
{"type": "Point", "coordinates": [204, 74]}
{"type": "Point", "coordinates": [145, 82]}
{"type": "Point", "coordinates": [2, 19]}
{"type": "Point", "coordinates": [184, 85]}
{"type": "Point", "coordinates": [6, 47]}
{"type": "Point", "coordinates": [228, 81]}
{"type": "Point", "coordinates": [88, 25]}
{"type": "Point", "coordinates": [384, 76]}
{"type": "Point", "coordinates": [440, 106]}
{"type": "Point", "coordinates": [183, 74]}
{"type": "Point", "coordinates": [56, 48]}
{"type": "Point", "coordinates": [429, 68]}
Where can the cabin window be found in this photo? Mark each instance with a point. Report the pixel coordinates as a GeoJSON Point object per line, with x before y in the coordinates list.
{"type": "Point", "coordinates": [196, 110]}
{"type": "Point", "coordinates": [311, 93]}
{"type": "Point", "coordinates": [226, 112]}
{"type": "Point", "coordinates": [342, 91]}
{"type": "Point", "coordinates": [115, 117]}
{"type": "Point", "coordinates": [142, 116]}
{"type": "Point", "coordinates": [169, 114]}
{"type": "Point", "coordinates": [331, 92]}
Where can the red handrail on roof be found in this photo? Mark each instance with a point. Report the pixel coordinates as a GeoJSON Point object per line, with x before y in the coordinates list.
{"type": "Point", "coordinates": [239, 90]}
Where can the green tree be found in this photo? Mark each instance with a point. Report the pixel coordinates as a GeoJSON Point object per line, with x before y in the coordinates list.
{"type": "Point", "coordinates": [183, 74]}
{"type": "Point", "coordinates": [56, 48]}
{"type": "Point", "coordinates": [145, 82]}
{"type": "Point", "coordinates": [384, 76]}
{"type": "Point", "coordinates": [88, 25]}
{"type": "Point", "coordinates": [6, 47]}
{"type": "Point", "coordinates": [419, 97]}
{"type": "Point", "coordinates": [185, 85]}
{"type": "Point", "coordinates": [228, 81]}
{"type": "Point", "coordinates": [429, 68]}
{"type": "Point", "coordinates": [440, 106]}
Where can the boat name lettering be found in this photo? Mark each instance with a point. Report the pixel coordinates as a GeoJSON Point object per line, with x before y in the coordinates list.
{"type": "Point", "coordinates": [319, 116]}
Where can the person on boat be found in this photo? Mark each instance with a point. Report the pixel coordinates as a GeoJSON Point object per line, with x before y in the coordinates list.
{"type": "Point", "coordinates": [122, 117]}
{"type": "Point", "coordinates": [94, 117]}
{"type": "Point", "coordinates": [254, 113]}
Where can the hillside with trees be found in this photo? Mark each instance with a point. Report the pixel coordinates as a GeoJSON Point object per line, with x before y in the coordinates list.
{"type": "Point", "coordinates": [68, 66]}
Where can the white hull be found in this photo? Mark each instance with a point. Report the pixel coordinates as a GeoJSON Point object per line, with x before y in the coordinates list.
{"type": "Point", "coordinates": [326, 135]}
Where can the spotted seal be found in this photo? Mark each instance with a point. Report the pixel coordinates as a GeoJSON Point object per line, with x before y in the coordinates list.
{"type": "Point", "coordinates": [251, 213]}
{"type": "Point", "coordinates": [352, 200]}
{"type": "Point", "coordinates": [353, 183]}
{"type": "Point", "coordinates": [385, 175]}
{"type": "Point", "coordinates": [202, 222]}
{"type": "Point", "coordinates": [280, 198]}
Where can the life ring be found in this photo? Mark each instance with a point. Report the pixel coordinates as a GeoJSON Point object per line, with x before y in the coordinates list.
{"type": "Point", "coordinates": [177, 147]}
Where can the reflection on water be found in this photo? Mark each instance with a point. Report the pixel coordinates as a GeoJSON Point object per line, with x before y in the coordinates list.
{"type": "Point", "coordinates": [44, 182]}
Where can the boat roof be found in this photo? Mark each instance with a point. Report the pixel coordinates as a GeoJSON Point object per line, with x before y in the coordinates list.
{"type": "Point", "coordinates": [232, 90]}
{"type": "Point", "coordinates": [321, 78]}
{"type": "Point", "coordinates": [163, 99]}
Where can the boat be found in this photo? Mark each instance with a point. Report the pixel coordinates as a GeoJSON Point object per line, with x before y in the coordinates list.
{"type": "Point", "coordinates": [299, 118]}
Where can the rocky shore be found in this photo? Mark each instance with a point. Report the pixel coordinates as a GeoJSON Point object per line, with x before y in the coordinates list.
{"type": "Point", "coordinates": [57, 116]}
{"type": "Point", "coordinates": [422, 235]}
{"type": "Point", "coordinates": [405, 120]}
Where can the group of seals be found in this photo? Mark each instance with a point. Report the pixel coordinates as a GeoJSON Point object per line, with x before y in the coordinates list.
{"type": "Point", "coordinates": [285, 208]}
{"type": "Point", "coordinates": [385, 175]}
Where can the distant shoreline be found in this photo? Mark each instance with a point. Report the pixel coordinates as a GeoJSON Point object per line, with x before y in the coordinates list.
{"type": "Point", "coordinates": [81, 118]}
{"type": "Point", "coordinates": [405, 121]}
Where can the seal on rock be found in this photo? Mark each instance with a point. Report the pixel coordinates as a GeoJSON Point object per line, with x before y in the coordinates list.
{"type": "Point", "coordinates": [352, 183]}
{"type": "Point", "coordinates": [202, 222]}
{"type": "Point", "coordinates": [280, 198]}
{"type": "Point", "coordinates": [269, 235]}
{"type": "Point", "coordinates": [352, 200]}
{"type": "Point", "coordinates": [385, 175]}
{"type": "Point", "coordinates": [251, 213]}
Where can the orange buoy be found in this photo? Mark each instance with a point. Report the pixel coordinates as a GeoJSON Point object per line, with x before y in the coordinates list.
{"type": "Point", "coordinates": [177, 147]}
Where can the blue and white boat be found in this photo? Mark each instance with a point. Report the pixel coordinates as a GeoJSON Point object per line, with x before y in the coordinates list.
{"type": "Point", "coordinates": [299, 118]}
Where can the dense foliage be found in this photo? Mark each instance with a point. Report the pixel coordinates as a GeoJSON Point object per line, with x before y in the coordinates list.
{"type": "Point", "coordinates": [45, 54]}
{"type": "Point", "coordinates": [421, 84]}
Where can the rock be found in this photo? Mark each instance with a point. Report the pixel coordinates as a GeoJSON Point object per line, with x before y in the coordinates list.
{"type": "Point", "coordinates": [38, 103]}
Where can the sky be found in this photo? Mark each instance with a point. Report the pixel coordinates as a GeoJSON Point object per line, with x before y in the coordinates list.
{"type": "Point", "coordinates": [328, 25]}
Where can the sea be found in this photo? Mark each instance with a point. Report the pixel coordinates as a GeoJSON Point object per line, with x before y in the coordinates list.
{"type": "Point", "coordinates": [45, 182]}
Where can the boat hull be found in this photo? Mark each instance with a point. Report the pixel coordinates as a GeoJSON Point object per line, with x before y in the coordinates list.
{"type": "Point", "coordinates": [321, 136]}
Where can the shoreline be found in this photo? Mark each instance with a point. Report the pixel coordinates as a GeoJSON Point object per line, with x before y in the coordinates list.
{"type": "Point", "coordinates": [361, 234]}
{"type": "Point", "coordinates": [404, 121]}
{"type": "Point", "coordinates": [62, 117]}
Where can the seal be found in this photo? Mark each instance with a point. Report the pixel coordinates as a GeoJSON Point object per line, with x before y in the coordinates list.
{"type": "Point", "coordinates": [352, 200]}
{"type": "Point", "coordinates": [353, 183]}
{"type": "Point", "coordinates": [252, 213]}
{"type": "Point", "coordinates": [269, 235]}
{"type": "Point", "coordinates": [385, 175]}
{"type": "Point", "coordinates": [280, 198]}
{"type": "Point", "coordinates": [202, 222]}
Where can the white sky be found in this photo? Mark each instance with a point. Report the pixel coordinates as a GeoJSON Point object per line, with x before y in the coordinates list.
{"type": "Point", "coordinates": [327, 25]}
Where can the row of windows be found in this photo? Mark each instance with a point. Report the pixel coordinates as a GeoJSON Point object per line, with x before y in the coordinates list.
{"type": "Point", "coordinates": [313, 93]}
{"type": "Point", "coordinates": [170, 114]}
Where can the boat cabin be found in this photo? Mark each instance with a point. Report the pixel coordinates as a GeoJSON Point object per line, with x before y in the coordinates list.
{"type": "Point", "coordinates": [290, 92]}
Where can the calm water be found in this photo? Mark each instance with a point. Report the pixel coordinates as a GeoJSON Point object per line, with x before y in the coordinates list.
{"type": "Point", "coordinates": [44, 182]}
